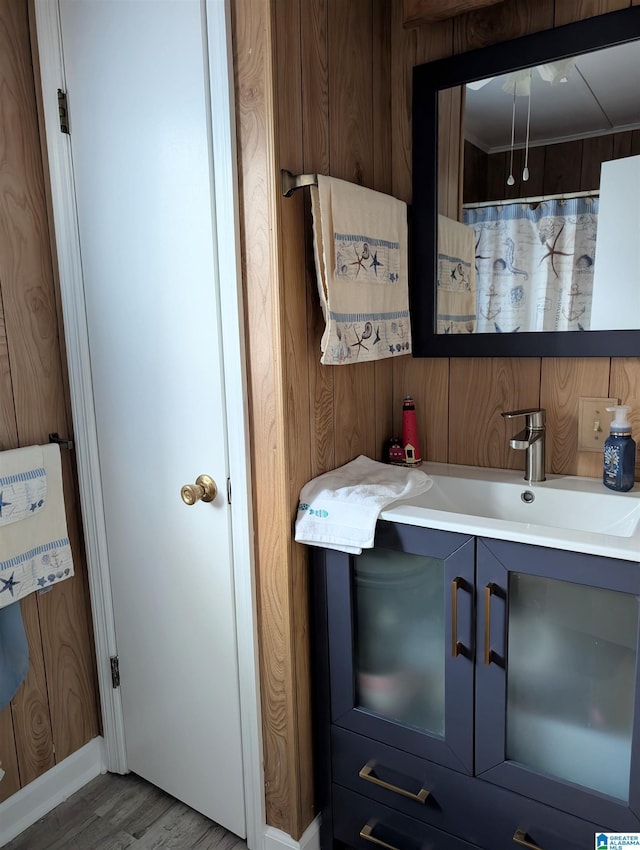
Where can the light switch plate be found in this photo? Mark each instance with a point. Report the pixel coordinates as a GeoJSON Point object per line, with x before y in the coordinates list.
{"type": "Point", "coordinates": [594, 422]}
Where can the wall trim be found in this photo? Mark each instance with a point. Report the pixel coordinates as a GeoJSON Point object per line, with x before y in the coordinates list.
{"type": "Point", "coordinates": [276, 839]}
{"type": "Point", "coordinates": [39, 797]}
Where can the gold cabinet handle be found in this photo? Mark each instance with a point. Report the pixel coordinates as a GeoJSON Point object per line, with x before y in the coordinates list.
{"type": "Point", "coordinates": [457, 647]}
{"type": "Point", "coordinates": [367, 833]}
{"type": "Point", "coordinates": [367, 773]}
{"type": "Point", "coordinates": [521, 837]}
{"type": "Point", "coordinates": [204, 490]}
{"type": "Point", "coordinates": [489, 590]}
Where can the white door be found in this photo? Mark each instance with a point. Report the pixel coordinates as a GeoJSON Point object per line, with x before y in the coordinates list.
{"type": "Point", "coordinates": [137, 82]}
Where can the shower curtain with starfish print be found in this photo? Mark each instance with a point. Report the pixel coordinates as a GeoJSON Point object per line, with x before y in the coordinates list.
{"type": "Point", "coordinates": [534, 265]}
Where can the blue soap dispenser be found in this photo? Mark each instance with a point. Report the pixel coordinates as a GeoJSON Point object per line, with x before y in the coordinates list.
{"type": "Point", "coordinates": [619, 452]}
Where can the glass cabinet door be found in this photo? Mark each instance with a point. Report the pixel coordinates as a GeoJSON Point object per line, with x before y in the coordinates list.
{"type": "Point", "coordinates": [399, 651]}
{"type": "Point", "coordinates": [571, 681]}
{"type": "Point", "coordinates": [401, 642]}
{"type": "Point", "coordinates": [561, 649]}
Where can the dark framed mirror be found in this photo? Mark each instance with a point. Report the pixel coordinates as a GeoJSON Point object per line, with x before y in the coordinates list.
{"type": "Point", "coordinates": [525, 223]}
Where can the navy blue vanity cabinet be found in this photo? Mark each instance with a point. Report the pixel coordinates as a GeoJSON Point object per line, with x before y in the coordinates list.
{"type": "Point", "coordinates": [474, 690]}
{"type": "Point", "coordinates": [381, 621]}
{"type": "Point", "coordinates": [556, 684]}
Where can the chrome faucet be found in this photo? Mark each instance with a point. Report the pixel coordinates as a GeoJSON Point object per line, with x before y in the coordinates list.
{"type": "Point", "coordinates": [530, 438]}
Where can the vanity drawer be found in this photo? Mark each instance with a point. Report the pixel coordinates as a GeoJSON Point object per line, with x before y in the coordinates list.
{"type": "Point", "coordinates": [474, 810]}
{"type": "Point", "coordinates": [363, 824]}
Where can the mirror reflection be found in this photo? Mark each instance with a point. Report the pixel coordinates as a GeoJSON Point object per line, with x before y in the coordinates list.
{"type": "Point", "coordinates": [544, 231]}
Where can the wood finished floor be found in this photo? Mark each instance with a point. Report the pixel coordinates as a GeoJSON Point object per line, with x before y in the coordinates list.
{"type": "Point", "coordinates": [120, 812]}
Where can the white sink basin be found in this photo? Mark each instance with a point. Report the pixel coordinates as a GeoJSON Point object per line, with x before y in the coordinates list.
{"type": "Point", "coordinates": [565, 512]}
{"type": "Point", "coordinates": [547, 503]}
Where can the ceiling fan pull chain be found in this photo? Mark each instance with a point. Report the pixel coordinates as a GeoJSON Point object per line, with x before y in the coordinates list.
{"type": "Point", "coordinates": [510, 178]}
{"type": "Point", "coordinates": [525, 171]}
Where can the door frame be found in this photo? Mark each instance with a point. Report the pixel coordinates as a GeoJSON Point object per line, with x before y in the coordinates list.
{"type": "Point", "coordinates": [66, 248]}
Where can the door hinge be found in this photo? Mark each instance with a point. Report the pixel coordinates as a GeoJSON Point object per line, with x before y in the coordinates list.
{"type": "Point", "coordinates": [229, 491]}
{"type": "Point", "coordinates": [115, 671]}
{"type": "Point", "coordinates": [63, 111]}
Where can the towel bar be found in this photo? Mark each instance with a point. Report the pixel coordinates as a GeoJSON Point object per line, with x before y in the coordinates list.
{"type": "Point", "coordinates": [64, 444]}
{"type": "Point", "coordinates": [291, 182]}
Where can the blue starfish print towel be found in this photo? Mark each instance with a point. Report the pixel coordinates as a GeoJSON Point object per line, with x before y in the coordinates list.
{"type": "Point", "coordinates": [34, 547]}
{"type": "Point", "coordinates": [360, 242]}
{"type": "Point", "coordinates": [456, 299]}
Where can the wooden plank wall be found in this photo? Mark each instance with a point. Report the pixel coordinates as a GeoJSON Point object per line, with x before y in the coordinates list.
{"type": "Point", "coordinates": [313, 92]}
{"type": "Point", "coordinates": [325, 85]}
{"type": "Point", "coordinates": [55, 711]}
{"type": "Point", "coordinates": [563, 167]}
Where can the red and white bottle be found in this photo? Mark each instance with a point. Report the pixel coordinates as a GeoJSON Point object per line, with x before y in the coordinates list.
{"type": "Point", "coordinates": [410, 442]}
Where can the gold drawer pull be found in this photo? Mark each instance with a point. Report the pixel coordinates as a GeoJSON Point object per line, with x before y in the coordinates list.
{"type": "Point", "coordinates": [489, 654]}
{"type": "Point", "coordinates": [521, 837]}
{"type": "Point", "coordinates": [367, 773]}
{"type": "Point", "coordinates": [367, 833]}
{"type": "Point", "coordinates": [456, 646]}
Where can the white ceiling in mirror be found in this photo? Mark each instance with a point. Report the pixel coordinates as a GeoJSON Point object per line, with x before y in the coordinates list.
{"type": "Point", "coordinates": [599, 96]}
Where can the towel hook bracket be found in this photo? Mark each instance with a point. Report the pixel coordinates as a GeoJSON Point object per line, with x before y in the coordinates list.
{"type": "Point", "coordinates": [291, 182]}
{"type": "Point", "coordinates": [64, 444]}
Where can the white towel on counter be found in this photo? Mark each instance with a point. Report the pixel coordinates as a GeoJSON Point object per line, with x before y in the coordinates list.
{"type": "Point", "coordinates": [339, 509]}
{"type": "Point", "coordinates": [34, 546]}
{"type": "Point", "coordinates": [360, 242]}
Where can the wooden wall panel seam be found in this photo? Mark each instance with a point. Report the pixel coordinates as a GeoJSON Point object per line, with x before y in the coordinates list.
{"type": "Point", "coordinates": [316, 158]}
{"type": "Point", "coordinates": [8, 424]}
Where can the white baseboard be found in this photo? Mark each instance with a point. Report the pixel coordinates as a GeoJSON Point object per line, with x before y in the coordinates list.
{"type": "Point", "coordinates": [30, 803]}
{"type": "Point", "coordinates": [276, 839]}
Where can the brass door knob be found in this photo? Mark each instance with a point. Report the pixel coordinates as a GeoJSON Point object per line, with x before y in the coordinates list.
{"type": "Point", "coordinates": [204, 490]}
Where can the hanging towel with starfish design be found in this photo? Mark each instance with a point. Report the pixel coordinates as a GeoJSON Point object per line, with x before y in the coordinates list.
{"type": "Point", "coordinates": [360, 242]}
{"type": "Point", "coordinates": [456, 300]}
{"type": "Point", "coordinates": [34, 547]}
